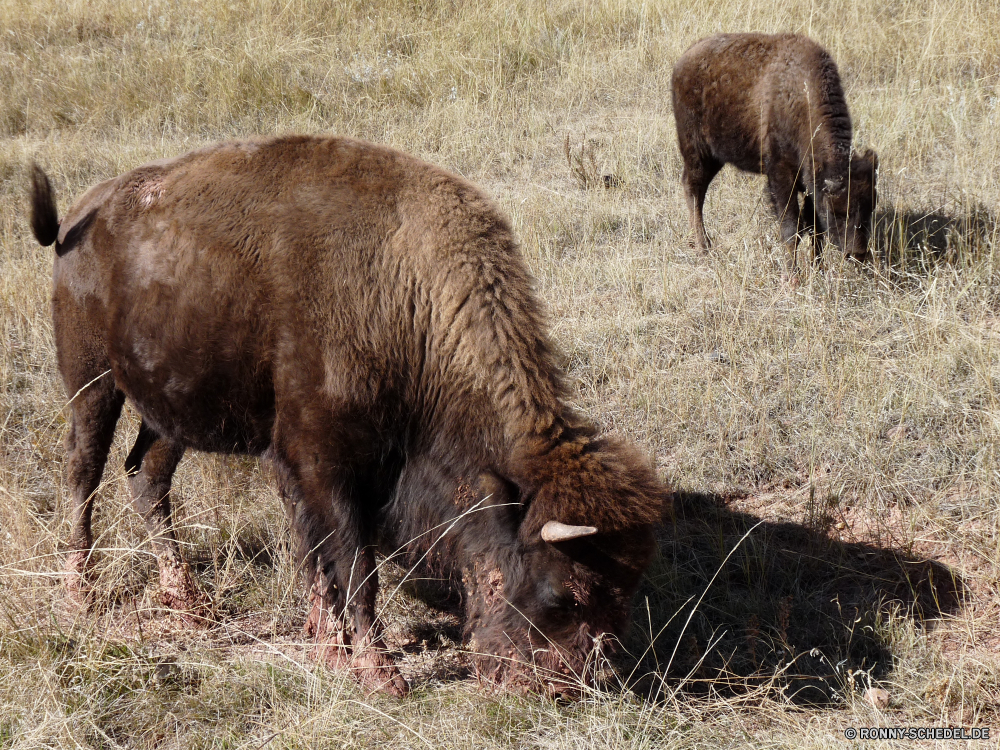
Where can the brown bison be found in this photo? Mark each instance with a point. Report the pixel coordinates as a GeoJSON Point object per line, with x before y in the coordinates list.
{"type": "Point", "coordinates": [773, 104]}
{"type": "Point", "coordinates": [365, 322]}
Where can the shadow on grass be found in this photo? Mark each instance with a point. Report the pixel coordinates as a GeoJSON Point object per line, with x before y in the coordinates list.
{"type": "Point", "coordinates": [790, 610]}
{"type": "Point", "coordinates": [914, 241]}
{"type": "Point", "coordinates": [733, 605]}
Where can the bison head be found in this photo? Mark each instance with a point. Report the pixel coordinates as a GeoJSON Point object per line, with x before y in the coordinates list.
{"type": "Point", "coordinates": [547, 611]}
{"type": "Point", "coordinates": [847, 205]}
{"type": "Point", "coordinates": [546, 620]}
{"type": "Point", "coordinates": [549, 552]}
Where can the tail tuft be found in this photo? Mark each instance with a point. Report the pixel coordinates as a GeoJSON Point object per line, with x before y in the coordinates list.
{"type": "Point", "coordinates": [44, 214]}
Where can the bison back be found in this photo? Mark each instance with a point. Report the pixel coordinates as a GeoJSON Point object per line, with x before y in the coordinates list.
{"type": "Point", "coordinates": [313, 271]}
{"type": "Point", "coordinates": [746, 99]}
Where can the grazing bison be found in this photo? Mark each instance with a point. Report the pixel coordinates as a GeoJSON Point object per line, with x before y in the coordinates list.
{"type": "Point", "coordinates": [365, 322]}
{"type": "Point", "coordinates": [774, 105]}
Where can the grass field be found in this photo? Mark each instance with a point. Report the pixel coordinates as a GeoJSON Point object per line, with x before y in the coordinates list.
{"type": "Point", "coordinates": [833, 445]}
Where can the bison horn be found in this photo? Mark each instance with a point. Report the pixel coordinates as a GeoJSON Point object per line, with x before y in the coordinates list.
{"type": "Point", "coordinates": [553, 531]}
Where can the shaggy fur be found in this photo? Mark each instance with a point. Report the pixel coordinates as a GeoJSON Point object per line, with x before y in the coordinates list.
{"type": "Point", "coordinates": [774, 105]}
{"type": "Point", "coordinates": [364, 321]}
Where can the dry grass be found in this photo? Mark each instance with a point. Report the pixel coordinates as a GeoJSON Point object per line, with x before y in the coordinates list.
{"type": "Point", "coordinates": [834, 445]}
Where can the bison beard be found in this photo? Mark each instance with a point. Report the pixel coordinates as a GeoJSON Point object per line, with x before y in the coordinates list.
{"type": "Point", "coordinates": [363, 321]}
{"type": "Point", "coordinates": [773, 104]}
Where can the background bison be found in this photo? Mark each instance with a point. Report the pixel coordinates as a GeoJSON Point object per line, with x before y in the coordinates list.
{"type": "Point", "coordinates": [774, 105]}
{"type": "Point", "coordinates": [365, 322]}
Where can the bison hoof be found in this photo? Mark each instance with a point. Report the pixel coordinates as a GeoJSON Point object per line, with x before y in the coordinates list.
{"type": "Point", "coordinates": [195, 609]}
{"type": "Point", "coordinates": [332, 649]}
{"type": "Point", "coordinates": [180, 592]}
{"type": "Point", "coordinates": [318, 624]}
{"type": "Point", "coordinates": [379, 675]}
{"type": "Point", "coordinates": [373, 669]}
{"type": "Point", "coordinates": [75, 575]}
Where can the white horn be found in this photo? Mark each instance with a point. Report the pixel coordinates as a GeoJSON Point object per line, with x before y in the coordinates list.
{"type": "Point", "coordinates": [553, 531]}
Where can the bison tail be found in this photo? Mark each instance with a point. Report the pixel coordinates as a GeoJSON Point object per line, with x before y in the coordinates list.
{"type": "Point", "coordinates": [44, 214]}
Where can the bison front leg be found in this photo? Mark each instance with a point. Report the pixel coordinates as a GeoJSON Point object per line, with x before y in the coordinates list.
{"type": "Point", "coordinates": [342, 577]}
{"type": "Point", "coordinates": [96, 409]}
{"type": "Point", "coordinates": [370, 661]}
{"type": "Point", "coordinates": [342, 618]}
{"type": "Point", "coordinates": [782, 188]}
{"type": "Point", "coordinates": [150, 468]}
{"type": "Point", "coordinates": [808, 223]}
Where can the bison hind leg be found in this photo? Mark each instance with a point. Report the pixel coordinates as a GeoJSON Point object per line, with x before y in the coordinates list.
{"type": "Point", "coordinates": [96, 408]}
{"type": "Point", "coordinates": [150, 468]}
{"type": "Point", "coordinates": [699, 171]}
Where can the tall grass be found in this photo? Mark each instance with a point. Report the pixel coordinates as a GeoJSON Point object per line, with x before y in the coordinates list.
{"type": "Point", "coordinates": [834, 445]}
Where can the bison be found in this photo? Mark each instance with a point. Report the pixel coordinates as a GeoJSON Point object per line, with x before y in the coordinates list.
{"type": "Point", "coordinates": [773, 104]}
{"type": "Point", "coordinates": [365, 322]}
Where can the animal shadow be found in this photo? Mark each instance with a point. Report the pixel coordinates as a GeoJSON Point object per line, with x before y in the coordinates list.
{"type": "Point", "coordinates": [735, 604]}
{"type": "Point", "coordinates": [914, 241]}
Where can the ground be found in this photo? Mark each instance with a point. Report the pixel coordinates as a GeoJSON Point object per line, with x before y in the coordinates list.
{"type": "Point", "coordinates": [831, 439]}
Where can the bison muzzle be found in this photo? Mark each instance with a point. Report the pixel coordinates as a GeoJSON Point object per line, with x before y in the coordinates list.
{"type": "Point", "coordinates": [773, 104]}
{"type": "Point", "coordinates": [365, 322]}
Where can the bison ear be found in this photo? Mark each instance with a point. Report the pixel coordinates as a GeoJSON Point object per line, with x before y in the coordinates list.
{"type": "Point", "coordinates": [553, 531]}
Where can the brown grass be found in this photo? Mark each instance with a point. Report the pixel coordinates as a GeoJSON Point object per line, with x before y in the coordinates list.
{"type": "Point", "coordinates": [834, 445]}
